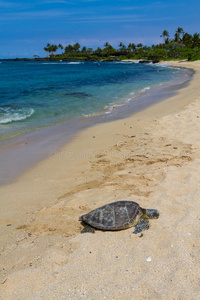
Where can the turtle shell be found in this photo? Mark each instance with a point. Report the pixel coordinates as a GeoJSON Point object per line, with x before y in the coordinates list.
{"type": "Point", "coordinates": [114, 216]}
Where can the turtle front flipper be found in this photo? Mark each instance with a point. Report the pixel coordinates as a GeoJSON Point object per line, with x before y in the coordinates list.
{"type": "Point", "coordinates": [143, 225]}
{"type": "Point", "coordinates": [87, 228]}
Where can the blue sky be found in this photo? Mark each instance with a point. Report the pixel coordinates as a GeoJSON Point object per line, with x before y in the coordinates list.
{"type": "Point", "coordinates": [27, 26]}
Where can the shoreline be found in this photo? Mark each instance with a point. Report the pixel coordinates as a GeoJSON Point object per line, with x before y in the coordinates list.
{"type": "Point", "coordinates": [28, 149]}
{"type": "Point", "coordinates": [151, 157]}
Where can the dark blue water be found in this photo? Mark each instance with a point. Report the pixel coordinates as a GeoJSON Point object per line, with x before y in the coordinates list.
{"type": "Point", "coordinates": [39, 94]}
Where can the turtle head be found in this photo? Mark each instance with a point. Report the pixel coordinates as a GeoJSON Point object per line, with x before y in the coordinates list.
{"type": "Point", "coordinates": [152, 214]}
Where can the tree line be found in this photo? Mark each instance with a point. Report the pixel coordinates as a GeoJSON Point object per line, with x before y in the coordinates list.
{"type": "Point", "coordinates": [183, 45]}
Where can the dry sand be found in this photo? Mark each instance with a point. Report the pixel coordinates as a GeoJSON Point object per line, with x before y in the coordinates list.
{"type": "Point", "coordinates": [152, 158]}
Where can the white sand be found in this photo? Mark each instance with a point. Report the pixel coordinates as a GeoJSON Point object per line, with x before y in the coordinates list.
{"type": "Point", "coordinates": [152, 158]}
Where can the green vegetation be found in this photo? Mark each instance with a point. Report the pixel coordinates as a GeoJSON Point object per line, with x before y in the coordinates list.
{"type": "Point", "coordinates": [182, 46]}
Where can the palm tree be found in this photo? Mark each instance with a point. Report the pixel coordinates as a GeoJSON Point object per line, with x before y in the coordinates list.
{"type": "Point", "coordinates": [132, 46]}
{"type": "Point", "coordinates": [108, 49]}
{"type": "Point", "coordinates": [98, 51]}
{"type": "Point", "coordinates": [53, 48]}
{"type": "Point", "coordinates": [195, 40]}
{"type": "Point", "coordinates": [122, 47]}
{"type": "Point", "coordinates": [89, 50]}
{"type": "Point", "coordinates": [76, 47]}
{"type": "Point", "coordinates": [84, 50]}
{"type": "Point", "coordinates": [106, 44]}
{"type": "Point", "coordinates": [164, 35]}
{"type": "Point", "coordinates": [187, 39]}
{"type": "Point", "coordinates": [47, 48]}
{"type": "Point", "coordinates": [176, 37]}
{"type": "Point", "coordinates": [179, 31]}
{"type": "Point", "coordinates": [139, 45]}
{"type": "Point", "coordinates": [69, 49]}
{"type": "Point", "coordinates": [61, 47]}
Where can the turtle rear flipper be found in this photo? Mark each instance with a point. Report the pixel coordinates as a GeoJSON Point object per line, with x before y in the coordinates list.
{"type": "Point", "coordinates": [87, 228]}
{"type": "Point", "coordinates": [143, 225]}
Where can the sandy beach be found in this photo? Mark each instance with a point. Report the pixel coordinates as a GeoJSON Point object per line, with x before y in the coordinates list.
{"type": "Point", "coordinates": [153, 158]}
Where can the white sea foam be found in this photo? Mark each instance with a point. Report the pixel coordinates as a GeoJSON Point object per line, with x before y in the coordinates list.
{"type": "Point", "coordinates": [89, 115]}
{"type": "Point", "coordinates": [128, 100]}
{"type": "Point", "coordinates": [146, 88]}
{"type": "Point", "coordinates": [108, 109]}
{"type": "Point", "coordinates": [75, 62]}
{"type": "Point", "coordinates": [163, 65]}
{"type": "Point", "coordinates": [129, 97]}
{"type": "Point", "coordinates": [166, 65]}
{"type": "Point", "coordinates": [54, 63]}
{"type": "Point", "coordinates": [10, 114]}
{"type": "Point", "coordinates": [122, 62]}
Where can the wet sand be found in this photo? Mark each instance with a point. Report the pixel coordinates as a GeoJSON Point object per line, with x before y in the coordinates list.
{"type": "Point", "coordinates": [153, 158]}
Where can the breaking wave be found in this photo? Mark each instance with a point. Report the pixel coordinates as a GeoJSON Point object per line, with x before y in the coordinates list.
{"type": "Point", "coordinates": [9, 114]}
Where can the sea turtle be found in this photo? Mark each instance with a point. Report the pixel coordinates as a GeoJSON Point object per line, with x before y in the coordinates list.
{"type": "Point", "coordinates": [117, 216]}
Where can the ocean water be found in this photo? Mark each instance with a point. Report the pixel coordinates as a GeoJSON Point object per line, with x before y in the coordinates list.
{"type": "Point", "coordinates": [40, 94]}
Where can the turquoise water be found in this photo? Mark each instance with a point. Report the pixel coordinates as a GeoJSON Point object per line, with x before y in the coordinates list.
{"type": "Point", "coordinates": [39, 94]}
